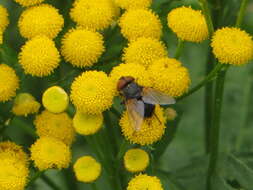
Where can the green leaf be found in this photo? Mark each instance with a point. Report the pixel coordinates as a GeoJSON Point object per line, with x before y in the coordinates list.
{"type": "Point", "coordinates": [218, 183]}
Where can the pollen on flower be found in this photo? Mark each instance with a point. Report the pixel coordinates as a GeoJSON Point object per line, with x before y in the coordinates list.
{"type": "Point", "coordinates": [144, 51]}
{"type": "Point", "coordinates": [48, 152]}
{"type": "Point", "coordinates": [82, 47]}
{"type": "Point", "coordinates": [170, 77]}
{"type": "Point", "coordinates": [26, 3]}
{"type": "Point", "coordinates": [40, 20]}
{"type": "Point", "coordinates": [39, 56]}
{"type": "Point", "coordinates": [232, 46]}
{"type": "Point", "coordinates": [59, 126]}
{"type": "Point", "coordinates": [4, 20]}
{"type": "Point", "coordinates": [9, 83]}
{"type": "Point", "coordinates": [152, 129]}
{"type": "Point", "coordinates": [132, 28]}
{"type": "Point", "coordinates": [87, 169]}
{"type": "Point", "coordinates": [92, 92]}
{"type": "Point", "coordinates": [133, 4]}
{"type": "Point", "coordinates": [188, 24]}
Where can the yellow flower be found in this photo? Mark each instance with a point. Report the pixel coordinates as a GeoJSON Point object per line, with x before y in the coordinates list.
{"type": "Point", "coordinates": [55, 99]}
{"type": "Point", "coordinates": [87, 169]}
{"type": "Point", "coordinates": [133, 4]}
{"type": "Point", "coordinates": [9, 83]}
{"type": "Point", "coordinates": [151, 130]}
{"type": "Point", "coordinates": [86, 124]}
{"type": "Point", "coordinates": [13, 174]}
{"type": "Point", "coordinates": [92, 92]}
{"type": "Point", "coordinates": [1, 37]}
{"type": "Point", "coordinates": [232, 46]}
{"type": "Point", "coordinates": [136, 160]}
{"type": "Point", "coordinates": [39, 56]}
{"type": "Point", "coordinates": [188, 24]}
{"type": "Point", "coordinates": [40, 20]}
{"type": "Point", "coordinates": [82, 47]}
{"type": "Point", "coordinates": [48, 152]}
{"type": "Point", "coordinates": [58, 126]}
{"type": "Point", "coordinates": [4, 20]}
{"type": "Point", "coordinates": [95, 14]}
{"type": "Point", "coordinates": [143, 181]}
{"type": "Point", "coordinates": [26, 3]}
{"type": "Point", "coordinates": [132, 28]}
{"type": "Point", "coordinates": [144, 51]}
{"type": "Point", "coordinates": [25, 104]}
{"type": "Point", "coordinates": [170, 114]}
{"type": "Point", "coordinates": [170, 77]}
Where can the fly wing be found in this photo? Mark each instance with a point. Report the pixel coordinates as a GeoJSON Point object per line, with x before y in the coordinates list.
{"type": "Point", "coordinates": [151, 96]}
{"type": "Point", "coordinates": [135, 110]}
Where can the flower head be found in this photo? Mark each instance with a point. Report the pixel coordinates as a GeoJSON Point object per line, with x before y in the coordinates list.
{"type": "Point", "coordinates": [144, 51]}
{"type": "Point", "coordinates": [170, 77]}
{"type": "Point", "coordinates": [58, 126]}
{"type": "Point", "coordinates": [146, 182]}
{"type": "Point", "coordinates": [55, 99]}
{"type": "Point", "coordinates": [4, 20]}
{"type": "Point", "coordinates": [152, 129]}
{"type": "Point", "coordinates": [39, 56]}
{"type": "Point", "coordinates": [92, 92]}
{"type": "Point", "coordinates": [48, 152]}
{"type": "Point", "coordinates": [26, 3]}
{"type": "Point", "coordinates": [82, 47]}
{"type": "Point", "coordinates": [25, 104]}
{"type": "Point", "coordinates": [87, 169]}
{"type": "Point", "coordinates": [86, 124]}
{"type": "Point", "coordinates": [188, 24]}
{"type": "Point", "coordinates": [133, 4]}
{"type": "Point", "coordinates": [132, 28]}
{"type": "Point", "coordinates": [232, 46]}
{"type": "Point", "coordinates": [9, 83]}
{"type": "Point", "coordinates": [40, 20]}
{"type": "Point", "coordinates": [1, 37]}
{"type": "Point", "coordinates": [136, 160]}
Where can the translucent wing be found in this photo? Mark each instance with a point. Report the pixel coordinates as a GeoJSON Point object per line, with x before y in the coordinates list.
{"type": "Point", "coordinates": [135, 110]}
{"type": "Point", "coordinates": [152, 96]}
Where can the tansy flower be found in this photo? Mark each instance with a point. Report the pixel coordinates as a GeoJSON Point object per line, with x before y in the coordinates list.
{"type": "Point", "coordinates": [86, 124]}
{"type": "Point", "coordinates": [170, 77]}
{"type": "Point", "coordinates": [48, 152]}
{"type": "Point", "coordinates": [1, 37]}
{"type": "Point", "coordinates": [144, 51]}
{"type": "Point", "coordinates": [188, 24]}
{"type": "Point", "coordinates": [136, 160]}
{"type": "Point", "coordinates": [146, 182]}
{"type": "Point", "coordinates": [4, 20]}
{"type": "Point", "coordinates": [151, 130]}
{"type": "Point", "coordinates": [9, 83]}
{"type": "Point", "coordinates": [232, 46]}
{"type": "Point", "coordinates": [25, 104]}
{"type": "Point", "coordinates": [55, 99]}
{"type": "Point", "coordinates": [87, 169]}
{"type": "Point", "coordinates": [26, 3]}
{"type": "Point", "coordinates": [170, 114]}
{"type": "Point", "coordinates": [82, 47]}
{"type": "Point", "coordinates": [132, 28]}
{"type": "Point", "coordinates": [58, 126]}
{"type": "Point", "coordinates": [40, 20]}
{"type": "Point", "coordinates": [39, 56]}
{"type": "Point", "coordinates": [95, 14]}
{"type": "Point", "coordinates": [92, 92]}
{"type": "Point", "coordinates": [133, 4]}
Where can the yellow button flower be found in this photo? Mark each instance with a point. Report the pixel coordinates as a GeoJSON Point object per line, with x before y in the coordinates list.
{"type": "Point", "coordinates": [232, 46]}
{"type": "Point", "coordinates": [39, 56]}
{"type": "Point", "coordinates": [170, 77]}
{"type": "Point", "coordinates": [143, 181]}
{"type": "Point", "coordinates": [4, 20]}
{"type": "Point", "coordinates": [87, 169]}
{"type": "Point", "coordinates": [188, 24]}
{"type": "Point", "coordinates": [133, 4]}
{"type": "Point", "coordinates": [170, 114]}
{"type": "Point", "coordinates": [136, 160]}
{"type": "Point", "coordinates": [48, 152]}
{"type": "Point", "coordinates": [144, 51]}
{"type": "Point", "coordinates": [82, 47]}
{"type": "Point", "coordinates": [151, 130]}
{"type": "Point", "coordinates": [26, 3]}
{"type": "Point", "coordinates": [86, 124]}
{"type": "Point", "coordinates": [9, 83]}
{"type": "Point", "coordinates": [40, 20]}
{"type": "Point", "coordinates": [132, 28]}
{"type": "Point", "coordinates": [92, 92]}
{"type": "Point", "coordinates": [55, 99]}
{"type": "Point", "coordinates": [1, 37]}
{"type": "Point", "coordinates": [58, 126]}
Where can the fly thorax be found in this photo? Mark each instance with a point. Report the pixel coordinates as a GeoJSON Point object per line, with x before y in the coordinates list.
{"type": "Point", "coordinates": [132, 90]}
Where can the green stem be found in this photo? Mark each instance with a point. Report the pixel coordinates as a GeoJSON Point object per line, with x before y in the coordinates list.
{"type": "Point", "coordinates": [36, 176]}
{"type": "Point", "coordinates": [180, 47]}
{"type": "Point", "coordinates": [122, 150]}
{"type": "Point", "coordinates": [93, 186]}
{"type": "Point", "coordinates": [49, 182]}
{"type": "Point", "coordinates": [241, 13]}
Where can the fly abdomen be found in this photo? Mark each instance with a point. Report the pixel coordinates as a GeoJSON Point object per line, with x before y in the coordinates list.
{"type": "Point", "coordinates": [148, 109]}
